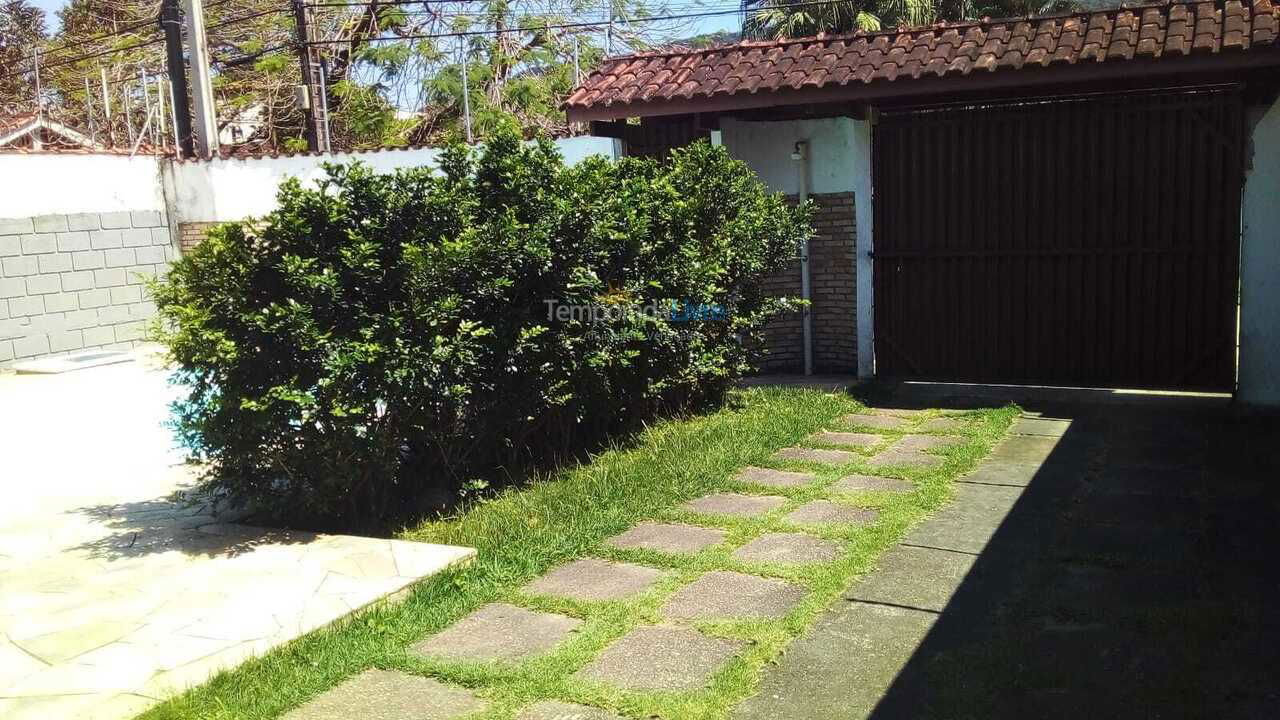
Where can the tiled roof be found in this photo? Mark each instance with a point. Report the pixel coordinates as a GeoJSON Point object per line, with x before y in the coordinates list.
{"type": "Point", "coordinates": [1163, 30]}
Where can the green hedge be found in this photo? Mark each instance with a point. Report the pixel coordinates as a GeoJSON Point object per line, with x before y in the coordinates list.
{"type": "Point", "coordinates": [381, 342]}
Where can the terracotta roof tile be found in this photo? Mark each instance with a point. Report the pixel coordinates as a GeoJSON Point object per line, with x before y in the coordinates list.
{"type": "Point", "coordinates": [1174, 28]}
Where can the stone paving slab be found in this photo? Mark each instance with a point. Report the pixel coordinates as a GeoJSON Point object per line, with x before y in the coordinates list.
{"type": "Point", "coordinates": [840, 668]}
{"type": "Point", "coordinates": [723, 595]}
{"type": "Point", "coordinates": [668, 538]}
{"type": "Point", "coordinates": [878, 422]}
{"type": "Point", "coordinates": [774, 478]}
{"type": "Point", "coordinates": [847, 439]}
{"type": "Point", "coordinates": [823, 512]}
{"type": "Point", "coordinates": [556, 710]}
{"type": "Point", "coordinates": [388, 695]}
{"type": "Point", "coordinates": [788, 549]}
{"type": "Point", "coordinates": [661, 657]}
{"type": "Point", "coordinates": [735, 504]}
{"type": "Point", "coordinates": [968, 522]}
{"type": "Point", "coordinates": [499, 631]}
{"type": "Point", "coordinates": [812, 455]}
{"type": "Point", "coordinates": [927, 442]}
{"type": "Point", "coordinates": [594, 580]}
{"type": "Point", "coordinates": [914, 577]}
{"type": "Point", "coordinates": [1047, 427]}
{"type": "Point", "coordinates": [944, 424]}
{"type": "Point", "coordinates": [895, 456]}
{"type": "Point", "coordinates": [872, 483]}
{"type": "Point", "coordinates": [1027, 449]}
{"type": "Point", "coordinates": [898, 412]}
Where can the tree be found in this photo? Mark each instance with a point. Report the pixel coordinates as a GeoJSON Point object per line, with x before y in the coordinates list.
{"type": "Point", "coordinates": [786, 18]}
{"type": "Point", "coordinates": [21, 32]}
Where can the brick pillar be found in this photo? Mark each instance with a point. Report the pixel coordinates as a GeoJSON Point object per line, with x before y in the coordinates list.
{"type": "Point", "coordinates": [191, 234]}
{"type": "Point", "coordinates": [832, 279]}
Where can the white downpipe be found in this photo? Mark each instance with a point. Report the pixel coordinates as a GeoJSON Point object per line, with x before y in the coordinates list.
{"type": "Point", "coordinates": [801, 156]}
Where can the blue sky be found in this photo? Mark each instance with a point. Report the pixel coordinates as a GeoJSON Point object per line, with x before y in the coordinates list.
{"type": "Point", "coordinates": [703, 25]}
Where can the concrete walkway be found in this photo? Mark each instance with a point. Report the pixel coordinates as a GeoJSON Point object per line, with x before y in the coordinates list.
{"type": "Point", "coordinates": [1109, 559]}
{"type": "Point", "coordinates": [113, 592]}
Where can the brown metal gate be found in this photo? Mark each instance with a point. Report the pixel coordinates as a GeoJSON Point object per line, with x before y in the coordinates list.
{"type": "Point", "coordinates": [1083, 242]}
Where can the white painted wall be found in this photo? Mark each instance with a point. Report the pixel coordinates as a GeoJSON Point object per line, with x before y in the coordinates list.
{"type": "Point", "coordinates": [233, 189]}
{"type": "Point", "coordinates": [38, 184]}
{"type": "Point", "coordinates": [840, 161]}
{"type": "Point", "coordinates": [1260, 268]}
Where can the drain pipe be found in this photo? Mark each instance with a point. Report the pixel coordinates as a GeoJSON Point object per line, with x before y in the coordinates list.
{"type": "Point", "coordinates": [801, 156]}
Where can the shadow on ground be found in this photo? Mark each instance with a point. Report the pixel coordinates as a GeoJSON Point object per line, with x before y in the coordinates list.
{"type": "Point", "coordinates": [1134, 577]}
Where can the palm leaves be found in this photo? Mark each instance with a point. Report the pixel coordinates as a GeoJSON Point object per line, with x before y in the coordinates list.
{"type": "Point", "coordinates": [799, 18]}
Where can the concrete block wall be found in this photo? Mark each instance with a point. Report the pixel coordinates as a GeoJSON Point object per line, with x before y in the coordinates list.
{"type": "Point", "coordinates": [75, 282]}
{"type": "Point", "coordinates": [832, 283]}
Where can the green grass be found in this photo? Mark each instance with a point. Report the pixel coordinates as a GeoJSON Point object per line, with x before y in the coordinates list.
{"type": "Point", "coordinates": [521, 533]}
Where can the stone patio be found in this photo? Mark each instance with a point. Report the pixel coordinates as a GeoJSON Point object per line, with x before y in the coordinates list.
{"type": "Point", "coordinates": [661, 657]}
{"type": "Point", "coordinates": [387, 695]}
{"type": "Point", "coordinates": [895, 456]}
{"type": "Point", "coordinates": [788, 549]}
{"type": "Point", "coordinates": [812, 455]}
{"type": "Point", "coordinates": [593, 580]}
{"type": "Point", "coordinates": [735, 505]}
{"type": "Point", "coordinates": [825, 512]}
{"type": "Point", "coordinates": [114, 594]}
{"type": "Point", "coordinates": [668, 537]}
{"type": "Point", "coordinates": [499, 631]}
{"type": "Point", "coordinates": [774, 478]}
{"type": "Point", "coordinates": [724, 595]}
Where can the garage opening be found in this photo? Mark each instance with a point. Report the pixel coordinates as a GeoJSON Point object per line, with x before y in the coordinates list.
{"type": "Point", "coordinates": [1090, 241]}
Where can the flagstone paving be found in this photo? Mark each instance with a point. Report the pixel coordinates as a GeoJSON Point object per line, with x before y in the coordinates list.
{"type": "Point", "coordinates": [556, 710]}
{"type": "Point", "coordinates": [733, 504]}
{"type": "Point", "coordinates": [386, 695]}
{"type": "Point", "coordinates": [595, 580]}
{"type": "Point", "coordinates": [822, 512]}
{"type": "Point", "coordinates": [863, 483]}
{"type": "Point", "coordinates": [661, 657]}
{"type": "Point", "coordinates": [788, 549]}
{"type": "Point", "coordinates": [812, 455]}
{"type": "Point", "coordinates": [720, 595]}
{"type": "Point", "coordinates": [668, 537]}
{"type": "Point", "coordinates": [774, 478]}
{"type": "Point", "coordinates": [116, 591]}
{"type": "Point", "coordinates": [499, 631]}
{"type": "Point", "coordinates": [848, 439]}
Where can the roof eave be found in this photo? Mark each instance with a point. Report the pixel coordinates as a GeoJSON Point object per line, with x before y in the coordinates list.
{"type": "Point", "coordinates": [1156, 69]}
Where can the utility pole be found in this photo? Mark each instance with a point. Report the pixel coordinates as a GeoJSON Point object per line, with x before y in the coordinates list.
{"type": "Point", "coordinates": [466, 94]}
{"type": "Point", "coordinates": [106, 107]}
{"type": "Point", "coordinates": [310, 91]}
{"type": "Point", "coordinates": [171, 23]}
{"type": "Point", "coordinates": [201, 86]}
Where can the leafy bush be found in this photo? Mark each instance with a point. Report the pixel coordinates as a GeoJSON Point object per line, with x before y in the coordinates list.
{"type": "Point", "coordinates": [381, 341]}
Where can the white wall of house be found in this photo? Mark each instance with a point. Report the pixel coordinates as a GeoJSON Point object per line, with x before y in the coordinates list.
{"type": "Point", "coordinates": [38, 184]}
{"type": "Point", "coordinates": [1260, 267]}
{"type": "Point", "coordinates": [223, 190]}
{"type": "Point", "coordinates": [840, 162]}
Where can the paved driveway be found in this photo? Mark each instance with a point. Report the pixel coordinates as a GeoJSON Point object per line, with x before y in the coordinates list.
{"type": "Point", "coordinates": [1114, 557]}
{"type": "Point", "coordinates": [113, 594]}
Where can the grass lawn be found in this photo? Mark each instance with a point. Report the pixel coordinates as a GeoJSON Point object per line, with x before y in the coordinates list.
{"type": "Point", "coordinates": [522, 533]}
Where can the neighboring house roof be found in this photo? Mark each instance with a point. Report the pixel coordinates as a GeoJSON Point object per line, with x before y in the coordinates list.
{"type": "Point", "coordinates": [16, 127]}
{"type": "Point", "coordinates": [856, 63]}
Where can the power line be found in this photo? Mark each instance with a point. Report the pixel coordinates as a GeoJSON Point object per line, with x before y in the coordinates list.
{"type": "Point", "coordinates": [567, 26]}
